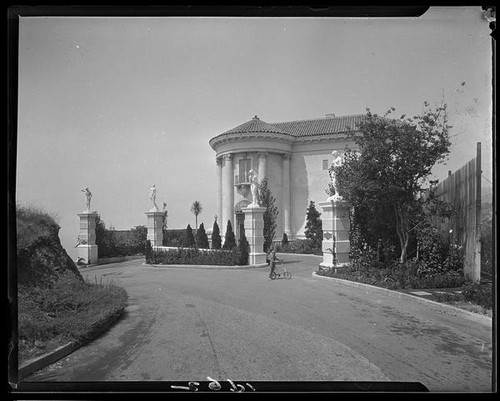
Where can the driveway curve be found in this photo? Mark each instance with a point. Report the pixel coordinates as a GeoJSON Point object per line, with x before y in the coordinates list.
{"type": "Point", "coordinates": [190, 323]}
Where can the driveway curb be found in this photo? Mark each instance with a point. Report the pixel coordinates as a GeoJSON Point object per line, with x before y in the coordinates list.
{"type": "Point", "coordinates": [35, 364]}
{"type": "Point", "coordinates": [440, 307]}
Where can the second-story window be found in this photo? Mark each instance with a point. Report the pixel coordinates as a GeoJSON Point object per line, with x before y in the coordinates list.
{"type": "Point", "coordinates": [325, 165]}
{"type": "Point", "coordinates": [244, 166]}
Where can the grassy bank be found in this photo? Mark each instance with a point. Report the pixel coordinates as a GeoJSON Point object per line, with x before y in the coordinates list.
{"type": "Point", "coordinates": [67, 310]}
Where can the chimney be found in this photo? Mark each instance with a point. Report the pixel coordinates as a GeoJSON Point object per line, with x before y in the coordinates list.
{"type": "Point", "coordinates": [330, 115]}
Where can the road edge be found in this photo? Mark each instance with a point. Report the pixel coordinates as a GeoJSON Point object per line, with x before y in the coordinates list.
{"type": "Point", "coordinates": [31, 366]}
{"type": "Point", "coordinates": [440, 307]}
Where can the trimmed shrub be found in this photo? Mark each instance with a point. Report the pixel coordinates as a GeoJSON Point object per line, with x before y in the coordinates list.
{"type": "Point", "coordinates": [284, 240]}
{"type": "Point", "coordinates": [300, 246]}
{"type": "Point", "coordinates": [148, 250]}
{"type": "Point", "coordinates": [201, 238]}
{"type": "Point", "coordinates": [194, 256]}
{"type": "Point", "coordinates": [216, 239]}
{"type": "Point", "coordinates": [189, 240]}
{"type": "Point", "coordinates": [230, 240]}
{"type": "Point", "coordinates": [244, 248]}
{"type": "Point", "coordinates": [314, 230]}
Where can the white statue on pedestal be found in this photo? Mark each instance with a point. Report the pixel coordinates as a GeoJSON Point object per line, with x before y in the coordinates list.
{"type": "Point", "coordinates": [88, 197]}
{"type": "Point", "coordinates": [152, 197]}
{"type": "Point", "coordinates": [254, 187]}
{"type": "Point", "coordinates": [337, 161]}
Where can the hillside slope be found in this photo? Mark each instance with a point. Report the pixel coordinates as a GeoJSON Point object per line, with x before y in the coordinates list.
{"type": "Point", "coordinates": [41, 259]}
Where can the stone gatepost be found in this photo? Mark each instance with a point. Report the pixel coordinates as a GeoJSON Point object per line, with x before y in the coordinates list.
{"type": "Point", "coordinates": [155, 227]}
{"type": "Point", "coordinates": [254, 232]}
{"type": "Point", "coordinates": [336, 226]}
{"type": "Point", "coordinates": [87, 248]}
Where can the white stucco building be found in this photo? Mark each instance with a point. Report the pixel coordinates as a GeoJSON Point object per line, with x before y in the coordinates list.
{"type": "Point", "coordinates": [293, 155]}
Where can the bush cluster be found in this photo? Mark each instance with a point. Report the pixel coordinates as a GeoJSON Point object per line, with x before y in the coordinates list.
{"type": "Point", "coordinates": [436, 253]}
{"type": "Point", "coordinates": [397, 276]}
{"type": "Point", "coordinates": [110, 244]}
{"type": "Point", "coordinates": [306, 246]}
{"type": "Point", "coordinates": [195, 256]}
{"type": "Point", "coordinates": [480, 294]}
{"type": "Point", "coordinates": [67, 310]}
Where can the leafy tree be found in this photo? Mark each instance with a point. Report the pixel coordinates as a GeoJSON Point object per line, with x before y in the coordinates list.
{"type": "Point", "coordinates": [196, 209]}
{"type": "Point", "coordinates": [104, 239]}
{"type": "Point", "coordinates": [243, 247]}
{"type": "Point", "coordinates": [385, 176]}
{"type": "Point", "coordinates": [201, 238]}
{"type": "Point", "coordinates": [267, 200]}
{"type": "Point", "coordinates": [284, 240]}
{"type": "Point", "coordinates": [216, 239]}
{"type": "Point", "coordinates": [314, 226]}
{"type": "Point", "coordinates": [230, 240]}
{"type": "Point", "coordinates": [189, 240]}
{"type": "Point", "coordinates": [138, 236]}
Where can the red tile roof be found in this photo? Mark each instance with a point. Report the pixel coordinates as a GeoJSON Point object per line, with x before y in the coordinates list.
{"type": "Point", "coordinates": [255, 125]}
{"type": "Point", "coordinates": [320, 126]}
{"type": "Point", "coordinates": [301, 128]}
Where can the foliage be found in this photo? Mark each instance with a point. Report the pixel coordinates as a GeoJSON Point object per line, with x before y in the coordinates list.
{"type": "Point", "coordinates": [104, 239]}
{"type": "Point", "coordinates": [244, 249]}
{"type": "Point", "coordinates": [396, 276]}
{"type": "Point", "coordinates": [267, 200]}
{"type": "Point", "coordinates": [480, 294]}
{"type": "Point", "coordinates": [314, 230]}
{"type": "Point", "coordinates": [202, 238]}
{"type": "Point", "coordinates": [487, 244]}
{"type": "Point", "coordinates": [188, 240]}
{"type": "Point", "coordinates": [196, 209]}
{"type": "Point", "coordinates": [216, 239]}
{"type": "Point", "coordinates": [384, 178]}
{"type": "Point", "coordinates": [148, 249]}
{"type": "Point", "coordinates": [32, 223]}
{"type": "Point", "coordinates": [284, 240]}
{"type": "Point", "coordinates": [110, 244]}
{"type": "Point", "coordinates": [305, 246]}
{"type": "Point", "coordinates": [67, 310]}
{"type": "Point", "coordinates": [230, 239]}
{"type": "Point", "coordinates": [195, 256]}
{"type": "Point", "coordinates": [436, 252]}
{"type": "Point", "coordinates": [138, 235]}
{"type": "Point", "coordinates": [173, 237]}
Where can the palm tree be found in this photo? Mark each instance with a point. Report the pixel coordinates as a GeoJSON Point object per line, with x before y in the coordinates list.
{"type": "Point", "coordinates": [196, 209]}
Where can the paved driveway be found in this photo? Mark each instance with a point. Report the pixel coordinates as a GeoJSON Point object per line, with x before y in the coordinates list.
{"type": "Point", "coordinates": [190, 323]}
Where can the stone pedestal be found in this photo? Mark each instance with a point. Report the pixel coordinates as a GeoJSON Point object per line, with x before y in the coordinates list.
{"type": "Point", "coordinates": [87, 248]}
{"type": "Point", "coordinates": [336, 226]}
{"type": "Point", "coordinates": [155, 227]}
{"type": "Point", "coordinates": [254, 232]}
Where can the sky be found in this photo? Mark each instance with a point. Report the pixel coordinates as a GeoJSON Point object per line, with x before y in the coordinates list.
{"type": "Point", "coordinates": [118, 104]}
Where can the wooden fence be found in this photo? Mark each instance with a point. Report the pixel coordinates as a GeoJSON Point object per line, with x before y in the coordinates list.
{"type": "Point", "coordinates": [463, 190]}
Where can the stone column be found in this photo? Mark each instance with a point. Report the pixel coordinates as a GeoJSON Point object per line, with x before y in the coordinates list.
{"type": "Point", "coordinates": [262, 165]}
{"type": "Point", "coordinates": [254, 232]}
{"type": "Point", "coordinates": [227, 193]}
{"type": "Point", "coordinates": [336, 226]}
{"type": "Point", "coordinates": [87, 248]}
{"type": "Point", "coordinates": [155, 227]}
{"type": "Point", "coordinates": [219, 187]}
{"type": "Point", "coordinates": [286, 194]}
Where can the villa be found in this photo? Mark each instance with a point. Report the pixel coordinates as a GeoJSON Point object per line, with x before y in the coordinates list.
{"type": "Point", "coordinates": [293, 155]}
